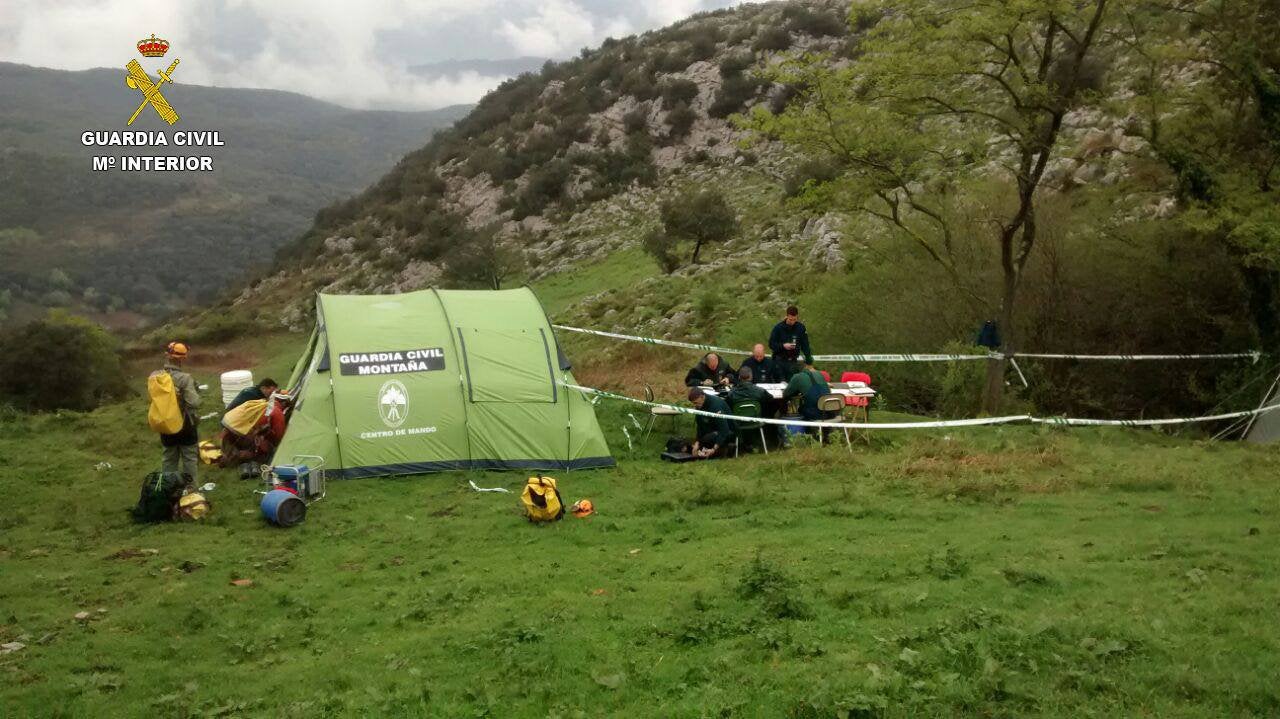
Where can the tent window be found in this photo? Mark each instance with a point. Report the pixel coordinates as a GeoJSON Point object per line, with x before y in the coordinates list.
{"type": "Point", "coordinates": [507, 365]}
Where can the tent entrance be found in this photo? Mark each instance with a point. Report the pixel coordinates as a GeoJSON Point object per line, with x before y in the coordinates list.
{"type": "Point", "coordinates": [509, 366]}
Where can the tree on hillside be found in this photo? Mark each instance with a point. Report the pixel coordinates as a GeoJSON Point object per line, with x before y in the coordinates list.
{"type": "Point", "coordinates": [940, 88]}
{"type": "Point", "coordinates": [662, 247]}
{"type": "Point", "coordinates": [1220, 132]}
{"type": "Point", "coordinates": [483, 259]}
{"type": "Point", "coordinates": [703, 217]}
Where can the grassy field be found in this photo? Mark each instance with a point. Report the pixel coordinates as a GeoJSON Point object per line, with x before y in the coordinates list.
{"type": "Point", "coordinates": [991, 572]}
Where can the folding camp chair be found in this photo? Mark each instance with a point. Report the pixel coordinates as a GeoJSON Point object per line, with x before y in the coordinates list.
{"type": "Point", "coordinates": [834, 403]}
{"type": "Point", "coordinates": [748, 408]}
{"type": "Point", "coordinates": [859, 408]}
{"type": "Point", "coordinates": [656, 412]}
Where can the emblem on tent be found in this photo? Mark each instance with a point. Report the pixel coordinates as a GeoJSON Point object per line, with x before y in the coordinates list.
{"type": "Point", "coordinates": [393, 403]}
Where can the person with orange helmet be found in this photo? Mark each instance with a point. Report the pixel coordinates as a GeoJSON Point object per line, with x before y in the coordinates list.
{"type": "Point", "coordinates": [181, 451]}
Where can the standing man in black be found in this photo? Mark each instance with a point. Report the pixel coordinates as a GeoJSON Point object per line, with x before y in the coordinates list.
{"type": "Point", "coordinates": [790, 344]}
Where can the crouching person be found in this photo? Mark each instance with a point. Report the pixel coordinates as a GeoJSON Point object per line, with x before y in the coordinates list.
{"type": "Point", "coordinates": [713, 433]}
{"type": "Point", "coordinates": [251, 432]}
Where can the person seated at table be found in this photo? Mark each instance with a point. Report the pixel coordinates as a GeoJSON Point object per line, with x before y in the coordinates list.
{"type": "Point", "coordinates": [789, 341]}
{"type": "Point", "coordinates": [807, 385]}
{"type": "Point", "coordinates": [763, 368]}
{"type": "Point", "coordinates": [747, 391]}
{"type": "Point", "coordinates": [709, 372]}
{"type": "Point", "coordinates": [713, 433]}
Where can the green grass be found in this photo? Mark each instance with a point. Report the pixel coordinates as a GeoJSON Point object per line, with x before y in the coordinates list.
{"type": "Point", "coordinates": [624, 267]}
{"type": "Point", "coordinates": [994, 572]}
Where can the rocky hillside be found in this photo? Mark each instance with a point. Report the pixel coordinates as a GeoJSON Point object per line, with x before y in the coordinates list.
{"type": "Point", "coordinates": [558, 176]}
{"type": "Point", "coordinates": [569, 164]}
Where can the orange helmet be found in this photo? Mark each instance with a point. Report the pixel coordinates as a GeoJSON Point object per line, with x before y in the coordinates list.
{"type": "Point", "coordinates": [582, 508]}
{"type": "Point", "coordinates": [176, 349]}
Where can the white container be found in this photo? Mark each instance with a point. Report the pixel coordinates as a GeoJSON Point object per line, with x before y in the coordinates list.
{"type": "Point", "coordinates": [233, 382]}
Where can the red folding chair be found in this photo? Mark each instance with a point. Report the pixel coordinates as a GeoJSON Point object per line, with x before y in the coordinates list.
{"type": "Point", "coordinates": [861, 405]}
{"type": "Point", "coordinates": [825, 375]}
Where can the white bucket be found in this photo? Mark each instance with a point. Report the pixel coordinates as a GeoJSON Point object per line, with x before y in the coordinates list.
{"type": "Point", "coordinates": [233, 382]}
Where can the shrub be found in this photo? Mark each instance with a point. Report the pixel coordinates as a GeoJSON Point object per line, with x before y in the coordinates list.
{"type": "Point", "coordinates": [637, 120]}
{"type": "Point", "coordinates": [617, 170]}
{"type": "Point", "coordinates": [680, 120]}
{"type": "Point", "coordinates": [440, 231]}
{"type": "Point", "coordinates": [639, 83]}
{"type": "Point", "coordinates": [639, 146]}
{"type": "Point", "coordinates": [772, 38]}
{"type": "Point", "coordinates": [817, 170]}
{"type": "Point", "coordinates": [675, 59]}
{"type": "Point", "coordinates": [662, 247]}
{"type": "Point", "coordinates": [678, 91]}
{"type": "Point", "coordinates": [546, 184]}
{"type": "Point", "coordinates": [741, 34]}
{"type": "Point", "coordinates": [736, 63]}
{"type": "Point", "coordinates": [817, 23]}
{"type": "Point", "coordinates": [59, 362]}
{"type": "Point", "coordinates": [702, 47]}
{"type": "Point", "coordinates": [483, 261]}
{"type": "Point", "coordinates": [733, 92]}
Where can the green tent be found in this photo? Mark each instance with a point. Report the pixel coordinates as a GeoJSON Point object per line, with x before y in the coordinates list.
{"type": "Point", "coordinates": [437, 380]}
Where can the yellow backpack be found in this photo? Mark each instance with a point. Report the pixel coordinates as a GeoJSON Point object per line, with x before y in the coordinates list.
{"type": "Point", "coordinates": [244, 418]}
{"type": "Point", "coordinates": [541, 500]}
{"type": "Point", "coordinates": [164, 416]}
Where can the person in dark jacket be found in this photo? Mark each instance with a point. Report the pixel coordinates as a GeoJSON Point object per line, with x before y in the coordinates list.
{"type": "Point", "coordinates": [747, 391]}
{"type": "Point", "coordinates": [263, 390]}
{"type": "Point", "coordinates": [714, 433]}
{"type": "Point", "coordinates": [790, 343]}
{"type": "Point", "coordinates": [710, 371]}
{"type": "Point", "coordinates": [763, 368]}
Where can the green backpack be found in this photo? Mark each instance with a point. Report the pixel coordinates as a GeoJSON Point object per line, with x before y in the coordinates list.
{"type": "Point", "coordinates": [160, 494]}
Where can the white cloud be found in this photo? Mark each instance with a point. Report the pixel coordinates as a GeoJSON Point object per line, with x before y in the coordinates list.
{"type": "Point", "coordinates": [559, 28]}
{"type": "Point", "coordinates": [665, 12]}
{"type": "Point", "coordinates": [330, 49]}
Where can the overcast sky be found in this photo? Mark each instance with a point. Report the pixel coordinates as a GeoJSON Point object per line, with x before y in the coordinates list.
{"type": "Point", "coordinates": [351, 53]}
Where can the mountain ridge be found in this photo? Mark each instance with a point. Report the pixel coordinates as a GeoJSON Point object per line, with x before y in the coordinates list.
{"type": "Point", "coordinates": [74, 238]}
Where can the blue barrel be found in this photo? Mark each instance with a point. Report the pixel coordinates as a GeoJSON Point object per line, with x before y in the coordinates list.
{"type": "Point", "coordinates": [283, 508]}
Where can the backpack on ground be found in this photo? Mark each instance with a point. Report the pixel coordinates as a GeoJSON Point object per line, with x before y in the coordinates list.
{"type": "Point", "coordinates": [161, 492]}
{"type": "Point", "coordinates": [164, 416]}
{"type": "Point", "coordinates": [541, 500]}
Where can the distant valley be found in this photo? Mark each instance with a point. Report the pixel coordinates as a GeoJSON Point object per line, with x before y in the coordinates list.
{"type": "Point", "coordinates": [125, 247]}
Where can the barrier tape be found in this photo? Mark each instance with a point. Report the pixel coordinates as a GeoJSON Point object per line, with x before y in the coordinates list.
{"type": "Point", "coordinates": [934, 424]}
{"type": "Point", "coordinates": [806, 423]}
{"type": "Point", "coordinates": [1076, 422]}
{"type": "Point", "coordinates": [652, 341]}
{"type": "Point", "coordinates": [1253, 354]}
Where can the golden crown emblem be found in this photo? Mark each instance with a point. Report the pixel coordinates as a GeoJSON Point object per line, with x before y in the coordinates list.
{"type": "Point", "coordinates": [153, 46]}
